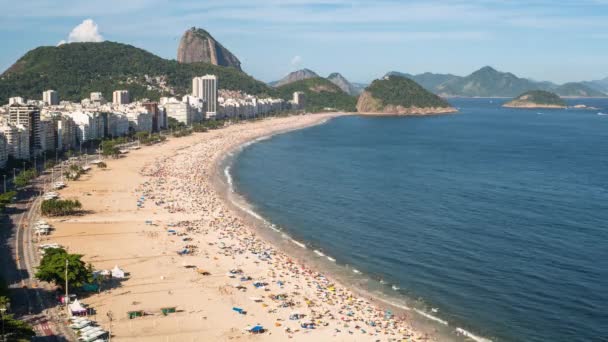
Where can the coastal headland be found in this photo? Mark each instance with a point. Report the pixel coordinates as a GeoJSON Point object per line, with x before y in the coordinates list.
{"type": "Point", "coordinates": [185, 248]}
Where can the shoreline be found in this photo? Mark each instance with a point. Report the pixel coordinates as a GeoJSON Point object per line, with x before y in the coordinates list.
{"type": "Point", "coordinates": [219, 235]}
{"type": "Point", "coordinates": [424, 321]}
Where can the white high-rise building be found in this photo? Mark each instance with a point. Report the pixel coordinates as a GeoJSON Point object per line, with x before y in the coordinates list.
{"type": "Point", "coordinates": [50, 98]}
{"type": "Point", "coordinates": [29, 117]}
{"type": "Point", "coordinates": [120, 97]}
{"type": "Point", "coordinates": [180, 111]}
{"type": "Point", "coordinates": [89, 125]}
{"type": "Point", "coordinates": [97, 97]}
{"type": "Point", "coordinates": [205, 88]}
{"type": "Point", "coordinates": [18, 141]}
{"type": "Point", "coordinates": [16, 100]}
{"type": "Point", "coordinates": [299, 99]}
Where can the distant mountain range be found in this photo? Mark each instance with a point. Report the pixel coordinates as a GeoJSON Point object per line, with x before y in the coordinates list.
{"type": "Point", "coordinates": [336, 78]}
{"type": "Point", "coordinates": [488, 82]}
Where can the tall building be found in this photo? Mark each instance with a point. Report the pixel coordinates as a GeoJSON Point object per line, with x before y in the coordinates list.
{"type": "Point", "coordinates": [205, 88]}
{"type": "Point", "coordinates": [29, 117]}
{"type": "Point", "coordinates": [16, 100]}
{"type": "Point", "coordinates": [118, 125]}
{"type": "Point", "coordinates": [180, 111]}
{"type": "Point", "coordinates": [152, 108]}
{"type": "Point", "coordinates": [18, 141]}
{"type": "Point", "coordinates": [120, 97]}
{"type": "Point", "coordinates": [50, 98]}
{"type": "Point", "coordinates": [47, 135]}
{"type": "Point", "coordinates": [97, 97]}
{"type": "Point", "coordinates": [89, 125]}
{"type": "Point", "coordinates": [3, 150]}
{"type": "Point", "coordinates": [299, 99]}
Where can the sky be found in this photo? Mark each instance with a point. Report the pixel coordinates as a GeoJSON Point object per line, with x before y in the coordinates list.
{"type": "Point", "coordinates": [559, 41]}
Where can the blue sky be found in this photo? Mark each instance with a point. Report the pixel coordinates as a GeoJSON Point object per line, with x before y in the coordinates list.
{"type": "Point", "coordinates": [558, 41]}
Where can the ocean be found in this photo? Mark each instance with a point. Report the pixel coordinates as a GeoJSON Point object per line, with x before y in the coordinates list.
{"type": "Point", "coordinates": [493, 220]}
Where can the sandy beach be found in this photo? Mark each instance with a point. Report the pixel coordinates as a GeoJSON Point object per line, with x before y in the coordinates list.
{"type": "Point", "coordinates": [226, 264]}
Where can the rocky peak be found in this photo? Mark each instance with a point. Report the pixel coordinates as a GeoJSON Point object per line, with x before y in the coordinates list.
{"type": "Point", "coordinates": [295, 76]}
{"type": "Point", "coordinates": [339, 80]}
{"type": "Point", "coordinates": [197, 45]}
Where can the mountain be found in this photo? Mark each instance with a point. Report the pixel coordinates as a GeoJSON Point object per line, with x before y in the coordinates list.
{"type": "Point", "coordinates": [197, 45]}
{"type": "Point", "coordinates": [320, 93]}
{"type": "Point", "coordinates": [574, 89]}
{"type": "Point", "coordinates": [77, 69]}
{"type": "Point", "coordinates": [396, 95]}
{"type": "Point", "coordinates": [599, 85]}
{"type": "Point", "coordinates": [487, 82]}
{"type": "Point", "coordinates": [344, 84]}
{"type": "Point", "coordinates": [294, 76]}
{"type": "Point", "coordinates": [536, 99]}
{"type": "Point", "coordinates": [428, 80]}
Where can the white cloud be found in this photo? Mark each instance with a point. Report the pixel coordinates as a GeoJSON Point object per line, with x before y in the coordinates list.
{"type": "Point", "coordinates": [61, 42]}
{"type": "Point", "coordinates": [296, 61]}
{"type": "Point", "coordinates": [87, 31]}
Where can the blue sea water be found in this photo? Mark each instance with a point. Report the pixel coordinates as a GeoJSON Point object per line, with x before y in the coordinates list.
{"type": "Point", "coordinates": [497, 217]}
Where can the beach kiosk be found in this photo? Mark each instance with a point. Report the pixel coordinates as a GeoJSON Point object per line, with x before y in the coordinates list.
{"type": "Point", "coordinates": [117, 272]}
{"type": "Point", "coordinates": [77, 309]}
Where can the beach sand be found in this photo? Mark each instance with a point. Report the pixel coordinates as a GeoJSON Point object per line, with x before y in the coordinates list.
{"type": "Point", "coordinates": [176, 180]}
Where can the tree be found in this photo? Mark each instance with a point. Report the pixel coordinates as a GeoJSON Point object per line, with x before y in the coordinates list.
{"type": "Point", "coordinates": [56, 207]}
{"type": "Point", "coordinates": [52, 269]}
{"type": "Point", "coordinates": [14, 330]}
{"type": "Point", "coordinates": [109, 148]}
{"type": "Point", "coordinates": [24, 177]}
{"type": "Point", "coordinates": [6, 199]}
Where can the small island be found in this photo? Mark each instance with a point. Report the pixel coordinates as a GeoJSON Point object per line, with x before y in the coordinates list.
{"type": "Point", "coordinates": [536, 99]}
{"type": "Point", "coordinates": [396, 95]}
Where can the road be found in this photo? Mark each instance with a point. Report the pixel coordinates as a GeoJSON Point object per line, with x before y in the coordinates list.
{"type": "Point", "coordinates": [31, 300]}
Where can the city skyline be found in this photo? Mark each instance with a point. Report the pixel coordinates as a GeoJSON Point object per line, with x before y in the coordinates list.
{"type": "Point", "coordinates": [538, 40]}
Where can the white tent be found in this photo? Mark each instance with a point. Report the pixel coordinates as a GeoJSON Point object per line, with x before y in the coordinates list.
{"type": "Point", "coordinates": [77, 308]}
{"type": "Point", "coordinates": [117, 272]}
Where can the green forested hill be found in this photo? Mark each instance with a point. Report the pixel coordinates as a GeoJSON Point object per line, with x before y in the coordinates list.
{"type": "Point", "coordinates": [77, 69]}
{"type": "Point", "coordinates": [402, 91]}
{"type": "Point", "coordinates": [536, 98]}
{"type": "Point", "coordinates": [320, 93]}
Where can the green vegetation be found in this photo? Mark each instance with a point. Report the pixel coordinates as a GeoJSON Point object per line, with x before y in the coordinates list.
{"type": "Point", "coordinates": [14, 330]}
{"type": "Point", "coordinates": [24, 177]}
{"type": "Point", "coordinates": [182, 133]}
{"type": "Point", "coordinates": [57, 207]}
{"type": "Point", "coordinates": [401, 91]}
{"type": "Point", "coordinates": [320, 93]}
{"type": "Point", "coordinates": [537, 97]}
{"type": "Point", "coordinates": [77, 69]}
{"type": "Point", "coordinates": [109, 148]}
{"type": "Point", "coordinates": [102, 165]}
{"type": "Point", "coordinates": [174, 124]}
{"type": "Point", "coordinates": [52, 269]}
{"type": "Point", "coordinates": [147, 138]}
{"type": "Point", "coordinates": [6, 199]}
